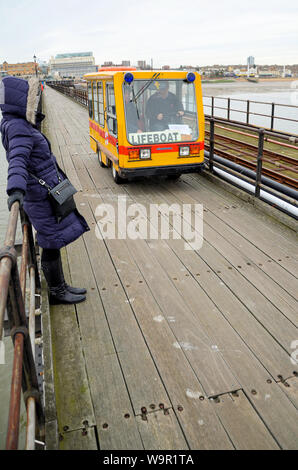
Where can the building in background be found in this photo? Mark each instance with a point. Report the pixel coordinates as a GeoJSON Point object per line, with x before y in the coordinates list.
{"type": "Point", "coordinates": [125, 63]}
{"type": "Point", "coordinates": [142, 64]}
{"type": "Point", "coordinates": [108, 63]}
{"type": "Point", "coordinates": [72, 65]}
{"type": "Point", "coordinates": [23, 69]}
{"type": "Point", "coordinates": [251, 61]}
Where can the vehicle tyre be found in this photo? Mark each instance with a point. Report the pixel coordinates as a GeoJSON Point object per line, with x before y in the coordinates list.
{"type": "Point", "coordinates": [116, 177]}
{"type": "Point", "coordinates": [99, 155]}
{"type": "Point", "coordinates": [174, 177]}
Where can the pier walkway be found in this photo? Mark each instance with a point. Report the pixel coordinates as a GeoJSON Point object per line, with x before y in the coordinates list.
{"type": "Point", "coordinates": [174, 348]}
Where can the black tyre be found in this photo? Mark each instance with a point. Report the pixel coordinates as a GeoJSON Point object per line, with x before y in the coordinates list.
{"type": "Point", "coordinates": [116, 177]}
{"type": "Point", "coordinates": [99, 155]}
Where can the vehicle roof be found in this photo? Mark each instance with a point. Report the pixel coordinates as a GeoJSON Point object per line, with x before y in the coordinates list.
{"type": "Point", "coordinates": [143, 73]}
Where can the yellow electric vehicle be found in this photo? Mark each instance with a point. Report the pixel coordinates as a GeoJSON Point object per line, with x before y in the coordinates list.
{"type": "Point", "coordinates": [145, 123]}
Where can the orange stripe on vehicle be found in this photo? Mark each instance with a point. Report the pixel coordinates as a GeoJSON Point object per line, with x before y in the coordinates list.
{"type": "Point", "coordinates": [160, 148]}
{"type": "Point", "coordinates": [156, 148]}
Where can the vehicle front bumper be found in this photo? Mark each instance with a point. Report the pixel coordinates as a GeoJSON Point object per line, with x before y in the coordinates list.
{"type": "Point", "coordinates": [161, 170]}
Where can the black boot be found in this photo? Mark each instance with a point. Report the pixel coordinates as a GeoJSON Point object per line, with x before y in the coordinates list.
{"type": "Point", "coordinates": [72, 290]}
{"type": "Point", "coordinates": [56, 283]}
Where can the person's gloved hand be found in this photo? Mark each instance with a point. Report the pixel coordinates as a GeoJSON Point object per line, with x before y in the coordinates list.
{"type": "Point", "coordinates": [15, 196]}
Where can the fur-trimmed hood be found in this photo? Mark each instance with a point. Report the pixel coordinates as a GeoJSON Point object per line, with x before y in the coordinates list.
{"type": "Point", "coordinates": [21, 98]}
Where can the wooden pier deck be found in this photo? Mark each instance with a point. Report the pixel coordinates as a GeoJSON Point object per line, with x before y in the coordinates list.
{"type": "Point", "coordinates": [173, 349]}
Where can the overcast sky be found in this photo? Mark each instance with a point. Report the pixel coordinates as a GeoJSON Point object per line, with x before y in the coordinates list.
{"type": "Point", "coordinates": [171, 32]}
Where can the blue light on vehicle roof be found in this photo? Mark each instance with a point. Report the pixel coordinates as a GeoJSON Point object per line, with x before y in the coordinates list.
{"type": "Point", "coordinates": [128, 77]}
{"type": "Point", "coordinates": [190, 77]}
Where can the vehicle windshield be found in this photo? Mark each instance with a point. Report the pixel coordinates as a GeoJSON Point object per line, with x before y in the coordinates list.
{"type": "Point", "coordinates": [165, 112]}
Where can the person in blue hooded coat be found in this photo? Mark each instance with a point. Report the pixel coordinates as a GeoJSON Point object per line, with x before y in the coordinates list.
{"type": "Point", "coordinates": [29, 152]}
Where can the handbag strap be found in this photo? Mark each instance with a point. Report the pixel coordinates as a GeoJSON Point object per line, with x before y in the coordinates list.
{"type": "Point", "coordinates": [40, 180]}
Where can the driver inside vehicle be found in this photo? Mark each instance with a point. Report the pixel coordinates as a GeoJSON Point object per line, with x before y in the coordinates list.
{"type": "Point", "coordinates": [163, 108]}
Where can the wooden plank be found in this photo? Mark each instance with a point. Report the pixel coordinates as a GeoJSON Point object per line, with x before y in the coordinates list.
{"type": "Point", "coordinates": [221, 293]}
{"type": "Point", "coordinates": [244, 426]}
{"type": "Point", "coordinates": [190, 336]}
{"type": "Point", "coordinates": [227, 197]}
{"type": "Point", "coordinates": [250, 270]}
{"type": "Point", "coordinates": [108, 388]}
{"type": "Point", "coordinates": [143, 381]}
{"type": "Point", "coordinates": [273, 318]}
{"type": "Point", "coordinates": [71, 385]}
{"type": "Point", "coordinates": [73, 400]}
{"type": "Point", "coordinates": [248, 376]}
{"type": "Point", "coordinates": [280, 248]}
{"type": "Point", "coordinates": [181, 382]}
{"type": "Point", "coordinates": [240, 243]}
{"type": "Point", "coordinates": [290, 388]}
{"type": "Point", "coordinates": [49, 392]}
{"type": "Point", "coordinates": [51, 425]}
{"type": "Point", "coordinates": [51, 435]}
{"type": "Point", "coordinates": [111, 403]}
{"type": "Point", "coordinates": [161, 431]}
{"type": "Point", "coordinates": [79, 440]}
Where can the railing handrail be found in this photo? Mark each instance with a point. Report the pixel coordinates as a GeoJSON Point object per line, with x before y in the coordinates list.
{"type": "Point", "coordinates": [259, 170]}
{"type": "Point", "coordinates": [251, 101]}
{"type": "Point", "coordinates": [12, 299]}
{"type": "Point", "coordinates": [272, 116]}
{"type": "Point", "coordinates": [252, 127]}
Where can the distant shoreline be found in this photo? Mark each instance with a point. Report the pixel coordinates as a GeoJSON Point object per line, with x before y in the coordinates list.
{"type": "Point", "coordinates": [243, 86]}
{"type": "Point", "coordinates": [243, 80]}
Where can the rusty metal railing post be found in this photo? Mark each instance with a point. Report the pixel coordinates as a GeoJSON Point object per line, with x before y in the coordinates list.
{"type": "Point", "coordinates": [259, 162]}
{"type": "Point", "coordinates": [6, 260]}
{"type": "Point", "coordinates": [211, 145]}
{"type": "Point", "coordinates": [247, 111]}
{"type": "Point", "coordinates": [31, 404]}
{"type": "Point", "coordinates": [12, 298]}
{"type": "Point", "coordinates": [12, 438]}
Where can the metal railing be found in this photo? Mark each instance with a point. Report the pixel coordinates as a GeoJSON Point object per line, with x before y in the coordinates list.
{"type": "Point", "coordinates": [259, 174]}
{"type": "Point", "coordinates": [79, 95]}
{"type": "Point", "coordinates": [226, 108]}
{"type": "Point", "coordinates": [22, 330]}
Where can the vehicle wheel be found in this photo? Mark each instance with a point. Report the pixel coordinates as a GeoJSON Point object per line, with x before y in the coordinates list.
{"type": "Point", "coordinates": [116, 177]}
{"type": "Point", "coordinates": [174, 177]}
{"type": "Point", "coordinates": [99, 155]}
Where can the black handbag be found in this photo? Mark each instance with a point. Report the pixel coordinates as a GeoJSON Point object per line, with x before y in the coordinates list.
{"type": "Point", "coordinates": [61, 196]}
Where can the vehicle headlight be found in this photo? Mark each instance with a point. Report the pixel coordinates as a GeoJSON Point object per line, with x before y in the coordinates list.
{"type": "Point", "coordinates": [145, 154]}
{"type": "Point", "coordinates": [183, 151]}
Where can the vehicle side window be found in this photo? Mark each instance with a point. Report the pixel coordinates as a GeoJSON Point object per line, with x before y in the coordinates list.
{"type": "Point", "coordinates": [111, 109]}
{"type": "Point", "coordinates": [95, 101]}
{"type": "Point", "coordinates": [101, 116]}
{"type": "Point", "coordinates": [90, 104]}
